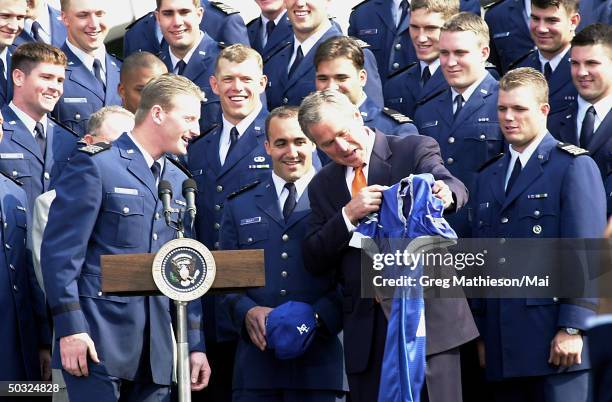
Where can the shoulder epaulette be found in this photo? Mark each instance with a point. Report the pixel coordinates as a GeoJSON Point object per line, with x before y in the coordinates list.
{"type": "Point", "coordinates": [490, 65]}
{"type": "Point", "coordinates": [360, 4]}
{"type": "Point", "coordinates": [401, 70]}
{"type": "Point", "coordinates": [430, 97]}
{"type": "Point", "coordinates": [278, 50]}
{"type": "Point", "coordinates": [176, 162]}
{"type": "Point", "coordinates": [243, 189]}
{"type": "Point", "coordinates": [94, 149]}
{"type": "Point", "coordinates": [397, 116]}
{"type": "Point", "coordinates": [17, 182]}
{"type": "Point", "coordinates": [490, 162]}
{"type": "Point", "coordinates": [136, 21]}
{"type": "Point", "coordinates": [62, 125]}
{"type": "Point", "coordinates": [572, 149]}
{"type": "Point", "coordinates": [492, 4]}
{"type": "Point", "coordinates": [523, 57]}
{"type": "Point", "coordinates": [361, 43]}
{"type": "Point", "coordinates": [229, 10]}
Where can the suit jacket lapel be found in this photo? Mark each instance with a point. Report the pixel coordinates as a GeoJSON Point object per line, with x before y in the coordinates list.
{"type": "Point", "coordinates": [567, 128]}
{"type": "Point", "coordinates": [247, 142]}
{"type": "Point", "coordinates": [112, 77]}
{"type": "Point", "coordinates": [78, 72]}
{"type": "Point", "coordinates": [602, 134]}
{"type": "Point", "coordinates": [445, 106]}
{"type": "Point", "coordinates": [22, 136]}
{"type": "Point", "coordinates": [475, 102]}
{"type": "Point", "coordinates": [50, 138]}
{"type": "Point", "coordinates": [301, 211]}
{"type": "Point", "coordinates": [307, 64]}
{"type": "Point", "coordinates": [201, 60]}
{"type": "Point", "coordinates": [561, 75]}
{"type": "Point", "coordinates": [267, 200]}
{"type": "Point", "coordinates": [379, 171]}
{"type": "Point", "coordinates": [136, 163]}
{"type": "Point", "coordinates": [499, 178]}
{"type": "Point", "coordinates": [212, 151]}
{"type": "Point", "coordinates": [58, 29]}
{"type": "Point", "coordinates": [384, 12]}
{"type": "Point", "coordinates": [281, 31]}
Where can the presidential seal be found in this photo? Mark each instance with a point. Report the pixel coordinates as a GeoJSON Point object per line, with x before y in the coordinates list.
{"type": "Point", "coordinates": [184, 269]}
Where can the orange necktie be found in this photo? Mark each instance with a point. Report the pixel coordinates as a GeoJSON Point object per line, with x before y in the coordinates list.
{"type": "Point", "coordinates": [359, 181]}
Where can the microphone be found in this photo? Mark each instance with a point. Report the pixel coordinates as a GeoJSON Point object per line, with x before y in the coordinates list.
{"type": "Point", "coordinates": [164, 190]}
{"type": "Point", "coordinates": [190, 189]}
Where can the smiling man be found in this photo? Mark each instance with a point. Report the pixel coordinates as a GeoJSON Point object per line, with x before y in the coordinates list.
{"type": "Point", "coordinates": [92, 74]}
{"type": "Point", "coordinates": [12, 17]}
{"type": "Point", "coordinates": [111, 347]}
{"type": "Point", "coordinates": [136, 71]}
{"type": "Point", "coordinates": [35, 148]}
{"type": "Point", "coordinates": [553, 25]}
{"type": "Point", "coordinates": [227, 158]}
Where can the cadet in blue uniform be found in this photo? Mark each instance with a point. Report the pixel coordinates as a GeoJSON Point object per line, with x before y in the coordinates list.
{"type": "Point", "coordinates": [273, 215]}
{"type": "Point", "coordinates": [384, 25]}
{"type": "Point", "coordinates": [44, 24]}
{"type": "Point", "coordinates": [23, 331]}
{"type": "Point", "coordinates": [592, 11]}
{"type": "Point", "coordinates": [228, 157]}
{"type": "Point", "coordinates": [291, 71]}
{"type": "Point", "coordinates": [191, 54]}
{"type": "Point", "coordinates": [11, 23]}
{"type": "Point", "coordinates": [508, 22]}
{"type": "Point", "coordinates": [35, 148]}
{"type": "Point", "coordinates": [405, 89]}
{"type": "Point", "coordinates": [339, 63]}
{"type": "Point", "coordinates": [552, 27]}
{"type": "Point", "coordinates": [463, 119]}
{"type": "Point", "coordinates": [588, 121]}
{"type": "Point", "coordinates": [540, 189]}
{"type": "Point", "coordinates": [92, 74]}
{"type": "Point", "coordinates": [271, 30]}
{"type": "Point", "coordinates": [113, 347]}
{"type": "Point", "coordinates": [221, 22]}
{"type": "Point", "coordinates": [136, 70]}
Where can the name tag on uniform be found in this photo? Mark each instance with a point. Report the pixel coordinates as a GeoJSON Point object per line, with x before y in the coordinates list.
{"type": "Point", "coordinates": [249, 221]}
{"type": "Point", "coordinates": [129, 191]}
{"type": "Point", "coordinates": [262, 166]}
{"type": "Point", "coordinates": [19, 207]}
{"type": "Point", "coordinates": [370, 31]}
{"type": "Point", "coordinates": [75, 100]}
{"type": "Point", "coordinates": [430, 124]}
{"type": "Point", "coordinates": [501, 35]}
{"type": "Point", "coordinates": [537, 196]}
{"type": "Point", "coordinates": [11, 156]}
{"type": "Point", "coordinates": [483, 119]}
{"type": "Point", "coordinates": [181, 203]}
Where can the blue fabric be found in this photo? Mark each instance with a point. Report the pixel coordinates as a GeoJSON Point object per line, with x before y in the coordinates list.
{"type": "Point", "coordinates": [409, 210]}
{"type": "Point", "coordinates": [290, 329]}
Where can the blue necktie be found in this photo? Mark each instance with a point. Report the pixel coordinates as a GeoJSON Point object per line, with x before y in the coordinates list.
{"type": "Point", "coordinates": [298, 59]}
{"type": "Point", "coordinates": [97, 67]}
{"type": "Point", "coordinates": [36, 27]}
{"type": "Point", "coordinates": [547, 71]}
{"type": "Point", "coordinates": [425, 76]}
{"type": "Point", "coordinates": [3, 81]}
{"type": "Point", "coordinates": [588, 127]}
{"type": "Point", "coordinates": [270, 25]}
{"type": "Point", "coordinates": [458, 104]}
{"type": "Point", "coordinates": [516, 171]}
{"type": "Point", "coordinates": [156, 170]}
{"type": "Point", "coordinates": [291, 200]}
{"type": "Point", "coordinates": [39, 130]}
{"type": "Point", "coordinates": [180, 66]}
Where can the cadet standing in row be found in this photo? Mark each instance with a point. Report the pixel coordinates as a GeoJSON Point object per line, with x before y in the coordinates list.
{"type": "Point", "coordinates": [12, 17]}
{"type": "Point", "coordinates": [44, 24]}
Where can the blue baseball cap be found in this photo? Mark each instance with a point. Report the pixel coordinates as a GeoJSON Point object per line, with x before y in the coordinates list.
{"type": "Point", "coordinates": [290, 328]}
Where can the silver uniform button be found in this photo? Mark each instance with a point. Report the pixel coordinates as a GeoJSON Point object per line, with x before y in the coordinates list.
{"type": "Point", "coordinates": [398, 46]}
{"type": "Point", "coordinates": [536, 213]}
{"type": "Point", "coordinates": [217, 225]}
{"type": "Point", "coordinates": [11, 266]}
{"type": "Point", "coordinates": [450, 161]}
{"type": "Point", "coordinates": [99, 293]}
{"type": "Point", "coordinates": [217, 207]}
{"type": "Point", "coordinates": [14, 173]}
{"type": "Point", "coordinates": [15, 288]}
{"type": "Point", "coordinates": [502, 240]}
{"type": "Point", "coordinates": [285, 100]}
{"type": "Point", "coordinates": [46, 175]}
{"type": "Point", "coordinates": [395, 66]}
{"type": "Point", "coordinates": [77, 116]}
{"type": "Point", "coordinates": [451, 140]}
{"type": "Point", "coordinates": [154, 236]}
{"type": "Point", "coordinates": [502, 260]}
{"type": "Point", "coordinates": [537, 229]}
{"type": "Point", "coordinates": [284, 255]}
{"type": "Point", "coordinates": [217, 244]}
{"type": "Point", "coordinates": [285, 237]}
{"type": "Point", "coordinates": [157, 216]}
{"type": "Point", "coordinates": [482, 136]}
{"type": "Point", "coordinates": [126, 210]}
{"type": "Point", "coordinates": [284, 274]}
{"type": "Point", "coordinates": [283, 292]}
{"type": "Point", "coordinates": [250, 240]}
{"type": "Point", "coordinates": [7, 246]}
{"type": "Point", "coordinates": [555, 299]}
{"type": "Point", "coordinates": [504, 220]}
{"type": "Point", "coordinates": [5, 225]}
{"type": "Point", "coordinates": [219, 189]}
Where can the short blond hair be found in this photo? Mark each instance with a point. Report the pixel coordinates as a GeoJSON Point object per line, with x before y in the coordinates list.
{"type": "Point", "coordinates": [238, 53]}
{"type": "Point", "coordinates": [468, 22]}
{"type": "Point", "coordinates": [526, 77]}
{"type": "Point", "coordinates": [97, 119]}
{"type": "Point", "coordinates": [447, 8]}
{"type": "Point", "coordinates": [162, 90]}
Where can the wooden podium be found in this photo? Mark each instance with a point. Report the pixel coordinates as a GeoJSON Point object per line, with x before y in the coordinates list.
{"type": "Point", "coordinates": [131, 274]}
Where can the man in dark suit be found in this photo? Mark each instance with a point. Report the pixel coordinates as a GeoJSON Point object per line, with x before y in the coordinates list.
{"type": "Point", "coordinates": [110, 347]}
{"type": "Point", "coordinates": [588, 121]}
{"type": "Point", "coordinates": [361, 157]}
{"type": "Point", "coordinates": [553, 25]}
{"type": "Point", "coordinates": [221, 22]}
{"type": "Point", "coordinates": [408, 88]}
{"type": "Point", "coordinates": [273, 215]}
{"type": "Point", "coordinates": [532, 348]}
{"type": "Point", "coordinates": [13, 16]}
{"type": "Point", "coordinates": [190, 52]}
{"type": "Point", "coordinates": [291, 72]}
{"type": "Point", "coordinates": [92, 74]}
{"type": "Point", "coordinates": [44, 24]}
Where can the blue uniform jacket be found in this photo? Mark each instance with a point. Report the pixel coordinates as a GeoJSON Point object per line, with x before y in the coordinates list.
{"type": "Point", "coordinates": [6, 92]}
{"type": "Point", "coordinates": [286, 279]}
{"type": "Point", "coordinates": [517, 332]}
{"type": "Point", "coordinates": [58, 30]}
{"type": "Point", "coordinates": [466, 142]}
{"type": "Point", "coordinates": [220, 22]}
{"type": "Point", "coordinates": [561, 89]}
{"type": "Point", "coordinates": [199, 69]}
{"type": "Point", "coordinates": [403, 91]}
{"type": "Point", "coordinates": [509, 33]}
{"type": "Point", "coordinates": [247, 162]}
{"type": "Point", "coordinates": [111, 202]}
{"type": "Point", "coordinates": [20, 156]}
{"type": "Point", "coordinates": [284, 90]}
{"type": "Point", "coordinates": [23, 328]}
{"type": "Point", "coordinates": [372, 22]}
{"type": "Point", "coordinates": [386, 120]}
{"type": "Point", "coordinates": [562, 126]}
{"type": "Point", "coordinates": [281, 34]}
{"type": "Point", "coordinates": [84, 94]}
{"type": "Point", "coordinates": [592, 11]}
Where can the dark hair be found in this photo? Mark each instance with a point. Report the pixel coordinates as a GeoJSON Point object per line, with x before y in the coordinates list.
{"type": "Point", "coordinates": [281, 112]}
{"type": "Point", "coordinates": [571, 6]}
{"type": "Point", "coordinates": [340, 46]}
{"type": "Point", "coordinates": [139, 60]}
{"type": "Point", "coordinates": [594, 34]}
{"type": "Point", "coordinates": [28, 55]}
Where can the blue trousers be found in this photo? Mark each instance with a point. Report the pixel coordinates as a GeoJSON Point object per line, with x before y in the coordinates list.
{"type": "Point", "coordinates": [563, 387]}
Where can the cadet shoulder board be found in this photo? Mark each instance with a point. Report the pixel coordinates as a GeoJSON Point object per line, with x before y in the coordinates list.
{"type": "Point", "coordinates": [572, 149]}
{"type": "Point", "coordinates": [397, 116]}
{"type": "Point", "coordinates": [243, 189]}
{"type": "Point", "coordinates": [224, 7]}
{"type": "Point", "coordinates": [94, 149]}
{"type": "Point", "coordinates": [17, 182]}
